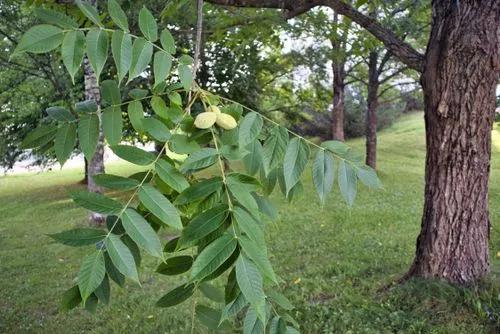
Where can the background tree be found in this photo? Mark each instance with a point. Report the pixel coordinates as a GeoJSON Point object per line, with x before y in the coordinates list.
{"type": "Point", "coordinates": [334, 44]}
{"type": "Point", "coordinates": [29, 84]}
{"type": "Point", "coordinates": [408, 20]}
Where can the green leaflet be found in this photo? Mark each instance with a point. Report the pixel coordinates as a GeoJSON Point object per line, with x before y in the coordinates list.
{"type": "Point", "coordinates": [186, 60]}
{"type": "Point", "coordinates": [175, 98]}
{"type": "Point", "coordinates": [97, 49]}
{"type": "Point", "coordinates": [134, 249]}
{"type": "Point", "coordinates": [249, 129]}
{"type": "Point", "coordinates": [266, 206]}
{"type": "Point", "coordinates": [212, 292]}
{"type": "Point", "coordinates": [96, 202]}
{"type": "Point", "coordinates": [72, 50]}
{"type": "Point", "coordinates": [112, 124]}
{"type": "Point", "coordinates": [40, 136]}
{"type": "Point", "coordinates": [296, 158]}
{"type": "Point", "coordinates": [249, 226]}
{"type": "Point", "coordinates": [121, 257]}
{"type": "Point", "coordinates": [142, 51]}
{"type": "Point", "coordinates": [253, 160]}
{"type": "Point", "coordinates": [117, 15]}
{"type": "Point", "coordinates": [200, 159]}
{"type": "Point", "coordinates": [167, 41]}
{"type": "Point", "coordinates": [171, 246]}
{"type": "Point", "coordinates": [347, 182]}
{"type": "Point", "coordinates": [281, 300]}
{"type": "Point", "coordinates": [182, 144]}
{"type": "Point", "coordinates": [156, 129]}
{"type": "Point", "coordinates": [337, 147]}
{"type": "Point", "coordinates": [40, 39]}
{"type": "Point", "coordinates": [141, 232]}
{"type": "Point", "coordinates": [258, 255]}
{"type": "Point", "coordinates": [88, 134]}
{"type": "Point", "coordinates": [202, 225]}
{"type": "Point", "coordinates": [86, 107]}
{"type": "Point", "coordinates": [210, 317]}
{"type": "Point", "coordinates": [171, 176]}
{"type": "Point", "coordinates": [54, 17]}
{"type": "Point", "coordinates": [323, 174]}
{"type": "Point", "coordinates": [199, 191]}
{"type": "Point", "coordinates": [368, 177]}
{"type": "Point", "coordinates": [79, 236]}
{"type": "Point", "coordinates": [134, 154]}
{"type": "Point", "coordinates": [110, 92]}
{"type": "Point", "coordinates": [121, 47]}
{"type": "Point", "coordinates": [60, 114]}
{"type": "Point", "coordinates": [176, 296]}
{"type": "Point", "coordinates": [113, 272]}
{"type": "Point", "coordinates": [103, 291]}
{"type": "Point", "coordinates": [234, 307]}
{"type": "Point", "coordinates": [175, 265]}
{"type": "Point", "coordinates": [148, 25]}
{"type": "Point", "coordinates": [71, 298]}
{"type": "Point", "coordinates": [115, 182]}
{"type": "Point", "coordinates": [213, 256]}
{"type": "Point", "coordinates": [160, 206]}
{"type": "Point", "coordinates": [231, 290]}
{"type": "Point", "coordinates": [186, 76]}
{"type": "Point", "coordinates": [136, 115]}
{"type": "Point", "coordinates": [251, 284]}
{"type": "Point", "coordinates": [91, 274]}
{"type": "Point", "coordinates": [89, 11]}
{"type": "Point", "coordinates": [65, 142]}
{"type": "Point", "coordinates": [242, 192]}
{"type": "Point", "coordinates": [277, 326]}
{"type": "Point", "coordinates": [162, 66]}
{"type": "Point", "coordinates": [91, 304]}
{"type": "Point", "coordinates": [252, 324]}
{"type": "Point", "coordinates": [274, 148]}
{"type": "Point", "coordinates": [159, 107]}
{"type": "Point", "coordinates": [138, 93]}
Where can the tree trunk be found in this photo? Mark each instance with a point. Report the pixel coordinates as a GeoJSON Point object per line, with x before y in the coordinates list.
{"type": "Point", "coordinates": [96, 164]}
{"type": "Point", "coordinates": [371, 111]}
{"type": "Point", "coordinates": [85, 179]}
{"type": "Point", "coordinates": [459, 80]}
{"type": "Point", "coordinates": [338, 100]}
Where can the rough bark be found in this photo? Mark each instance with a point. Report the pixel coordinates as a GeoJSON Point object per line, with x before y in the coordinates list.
{"type": "Point", "coordinates": [371, 111]}
{"type": "Point", "coordinates": [462, 67]}
{"type": "Point", "coordinates": [96, 164]}
{"type": "Point", "coordinates": [338, 100]}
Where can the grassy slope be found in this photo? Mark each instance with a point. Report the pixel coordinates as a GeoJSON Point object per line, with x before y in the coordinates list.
{"type": "Point", "coordinates": [333, 260]}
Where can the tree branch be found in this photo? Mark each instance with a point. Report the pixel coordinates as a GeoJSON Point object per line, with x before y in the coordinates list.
{"type": "Point", "coordinates": [407, 54]}
{"type": "Point", "coordinates": [394, 74]}
{"type": "Point", "coordinates": [291, 8]}
{"type": "Point", "coordinates": [396, 85]}
{"type": "Point", "coordinates": [356, 79]}
{"type": "Point", "coordinates": [385, 59]}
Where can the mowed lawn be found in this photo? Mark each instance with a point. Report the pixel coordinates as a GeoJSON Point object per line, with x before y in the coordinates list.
{"type": "Point", "coordinates": [338, 264]}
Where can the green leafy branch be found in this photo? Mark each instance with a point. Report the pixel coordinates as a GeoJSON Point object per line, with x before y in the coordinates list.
{"type": "Point", "coordinates": [173, 194]}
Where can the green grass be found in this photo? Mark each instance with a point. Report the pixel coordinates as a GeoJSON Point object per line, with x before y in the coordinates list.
{"type": "Point", "coordinates": [335, 261]}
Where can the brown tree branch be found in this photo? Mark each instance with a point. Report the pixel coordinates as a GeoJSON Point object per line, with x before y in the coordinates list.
{"type": "Point", "coordinates": [402, 50]}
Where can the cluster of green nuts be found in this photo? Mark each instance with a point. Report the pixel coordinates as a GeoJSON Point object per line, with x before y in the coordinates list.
{"type": "Point", "coordinates": [212, 116]}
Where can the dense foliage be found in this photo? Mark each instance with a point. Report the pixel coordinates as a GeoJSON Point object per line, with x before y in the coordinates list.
{"type": "Point", "coordinates": [193, 186]}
